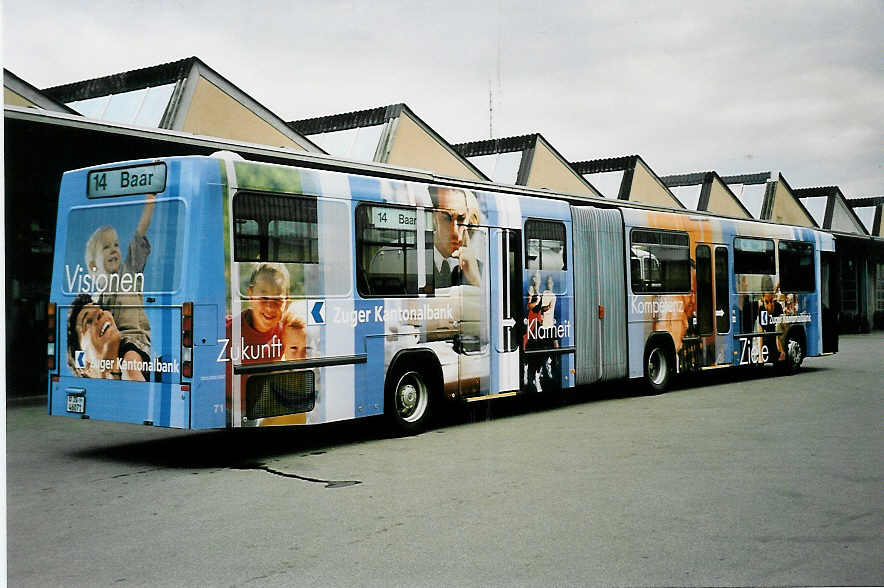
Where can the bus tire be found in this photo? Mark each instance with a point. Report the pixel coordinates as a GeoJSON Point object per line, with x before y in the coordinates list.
{"type": "Point", "coordinates": [659, 367]}
{"type": "Point", "coordinates": [794, 355]}
{"type": "Point", "coordinates": [409, 399]}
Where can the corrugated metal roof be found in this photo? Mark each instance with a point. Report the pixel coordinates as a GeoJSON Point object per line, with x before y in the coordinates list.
{"type": "Point", "coordinates": [817, 191]}
{"type": "Point", "coordinates": [748, 179]}
{"type": "Point", "coordinates": [501, 145]}
{"type": "Point", "coordinates": [346, 120]}
{"type": "Point", "coordinates": [598, 166]}
{"type": "Point", "coordinates": [691, 179]}
{"type": "Point", "coordinates": [127, 81]}
{"type": "Point", "coordinates": [865, 201]}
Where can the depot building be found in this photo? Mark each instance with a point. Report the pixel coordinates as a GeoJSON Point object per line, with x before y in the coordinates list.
{"type": "Point", "coordinates": [187, 108]}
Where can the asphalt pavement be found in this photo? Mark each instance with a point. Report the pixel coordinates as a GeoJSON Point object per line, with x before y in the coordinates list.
{"type": "Point", "coordinates": [737, 478]}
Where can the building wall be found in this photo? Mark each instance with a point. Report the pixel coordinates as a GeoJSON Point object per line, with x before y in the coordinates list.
{"type": "Point", "coordinates": [548, 171]}
{"type": "Point", "coordinates": [413, 147]}
{"type": "Point", "coordinates": [842, 219]}
{"type": "Point", "coordinates": [214, 112]}
{"type": "Point", "coordinates": [645, 188]}
{"type": "Point", "coordinates": [722, 201]}
{"type": "Point", "coordinates": [786, 209]}
{"type": "Point", "coordinates": [13, 99]}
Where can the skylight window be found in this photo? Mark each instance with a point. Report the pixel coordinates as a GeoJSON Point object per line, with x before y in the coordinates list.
{"type": "Point", "coordinates": [502, 168]}
{"type": "Point", "coordinates": [816, 206]}
{"type": "Point", "coordinates": [867, 215]}
{"type": "Point", "coordinates": [141, 107]}
{"type": "Point", "coordinates": [751, 195]}
{"type": "Point", "coordinates": [689, 196]}
{"type": "Point", "coordinates": [608, 183]}
{"type": "Point", "coordinates": [91, 108]}
{"type": "Point", "coordinates": [360, 143]}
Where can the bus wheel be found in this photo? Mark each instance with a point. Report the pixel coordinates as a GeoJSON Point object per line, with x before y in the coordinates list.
{"type": "Point", "coordinates": [794, 356]}
{"type": "Point", "coordinates": [658, 368]}
{"type": "Point", "coordinates": [408, 402]}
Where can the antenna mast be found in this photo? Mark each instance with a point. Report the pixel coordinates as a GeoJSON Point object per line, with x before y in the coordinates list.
{"type": "Point", "coordinates": [490, 110]}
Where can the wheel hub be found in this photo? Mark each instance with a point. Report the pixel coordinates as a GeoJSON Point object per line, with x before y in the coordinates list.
{"type": "Point", "coordinates": [407, 398]}
{"type": "Point", "coordinates": [795, 353]}
{"type": "Point", "coordinates": [411, 397]}
{"type": "Point", "coordinates": [656, 367]}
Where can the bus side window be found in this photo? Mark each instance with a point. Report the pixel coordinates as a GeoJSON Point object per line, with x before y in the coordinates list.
{"type": "Point", "coordinates": [387, 251]}
{"type": "Point", "coordinates": [755, 264]}
{"type": "Point", "coordinates": [268, 227]}
{"type": "Point", "coordinates": [248, 239]}
{"type": "Point", "coordinates": [796, 267]}
{"type": "Point", "coordinates": [754, 256]}
{"type": "Point", "coordinates": [660, 262]}
{"type": "Point", "coordinates": [545, 245]}
{"type": "Point", "coordinates": [285, 228]}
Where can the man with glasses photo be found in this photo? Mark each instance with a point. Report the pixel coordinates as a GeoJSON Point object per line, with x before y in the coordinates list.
{"type": "Point", "coordinates": [454, 261]}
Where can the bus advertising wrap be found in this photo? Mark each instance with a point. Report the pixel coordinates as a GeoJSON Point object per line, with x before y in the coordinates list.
{"type": "Point", "coordinates": [249, 294]}
{"type": "Point", "coordinates": [115, 256]}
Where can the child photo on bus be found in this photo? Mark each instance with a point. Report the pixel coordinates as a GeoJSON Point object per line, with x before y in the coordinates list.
{"type": "Point", "coordinates": [260, 329]}
{"type": "Point", "coordinates": [267, 292]}
{"type": "Point", "coordinates": [294, 335]}
{"type": "Point", "coordinates": [104, 260]}
{"type": "Point", "coordinates": [96, 349]}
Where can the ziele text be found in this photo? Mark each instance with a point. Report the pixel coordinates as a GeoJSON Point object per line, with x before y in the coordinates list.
{"type": "Point", "coordinates": [95, 283]}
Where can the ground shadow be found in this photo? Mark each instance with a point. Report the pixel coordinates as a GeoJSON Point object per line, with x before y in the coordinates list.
{"type": "Point", "coordinates": [238, 448]}
{"type": "Point", "coordinates": [251, 448]}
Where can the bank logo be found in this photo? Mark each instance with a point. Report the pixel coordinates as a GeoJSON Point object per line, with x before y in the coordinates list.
{"type": "Point", "coordinates": [316, 315]}
{"type": "Point", "coordinates": [80, 359]}
{"type": "Point", "coordinates": [763, 318]}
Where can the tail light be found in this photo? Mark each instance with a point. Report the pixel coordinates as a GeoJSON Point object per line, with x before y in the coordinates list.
{"type": "Point", "coordinates": [187, 324]}
{"type": "Point", "coordinates": [187, 339]}
{"type": "Point", "coordinates": [50, 336]}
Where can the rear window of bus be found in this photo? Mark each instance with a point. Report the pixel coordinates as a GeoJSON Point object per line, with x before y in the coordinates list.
{"type": "Point", "coordinates": [105, 252]}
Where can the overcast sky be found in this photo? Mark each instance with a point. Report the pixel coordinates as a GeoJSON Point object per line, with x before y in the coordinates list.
{"type": "Point", "coordinates": [735, 87]}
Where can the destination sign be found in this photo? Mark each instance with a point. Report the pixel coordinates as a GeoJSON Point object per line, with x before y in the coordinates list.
{"type": "Point", "coordinates": [141, 179]}
{"type": "Point", "coordinates": [394, 218]}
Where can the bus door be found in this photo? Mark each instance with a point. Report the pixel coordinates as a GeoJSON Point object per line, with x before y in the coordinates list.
{"type": "Point", "coordinates": [831, 302]}
{"type": "Point", "coordinates": [713, 302]}
{"type": "Point", "coordinates": [472, 340]}
{"type": "Point", "coordinates": [506, 308]}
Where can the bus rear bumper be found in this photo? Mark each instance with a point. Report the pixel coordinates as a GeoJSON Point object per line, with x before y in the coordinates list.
{"type": "Point", "coordinates": [159, 404]}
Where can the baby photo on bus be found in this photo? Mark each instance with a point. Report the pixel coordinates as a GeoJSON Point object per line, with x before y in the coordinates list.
{"type": "Point", "coordinates": [104, 259]}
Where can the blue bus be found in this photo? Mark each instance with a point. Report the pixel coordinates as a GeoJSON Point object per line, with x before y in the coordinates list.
{"type": "Point", "coordinates": [214, 292]}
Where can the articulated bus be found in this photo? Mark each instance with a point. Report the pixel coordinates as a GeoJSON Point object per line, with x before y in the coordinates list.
{"type": "Point", "coordinates": [210, 292]}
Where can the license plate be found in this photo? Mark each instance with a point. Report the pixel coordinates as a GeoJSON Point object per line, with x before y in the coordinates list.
{"type": "Point", "coordinates": [76, 403]}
